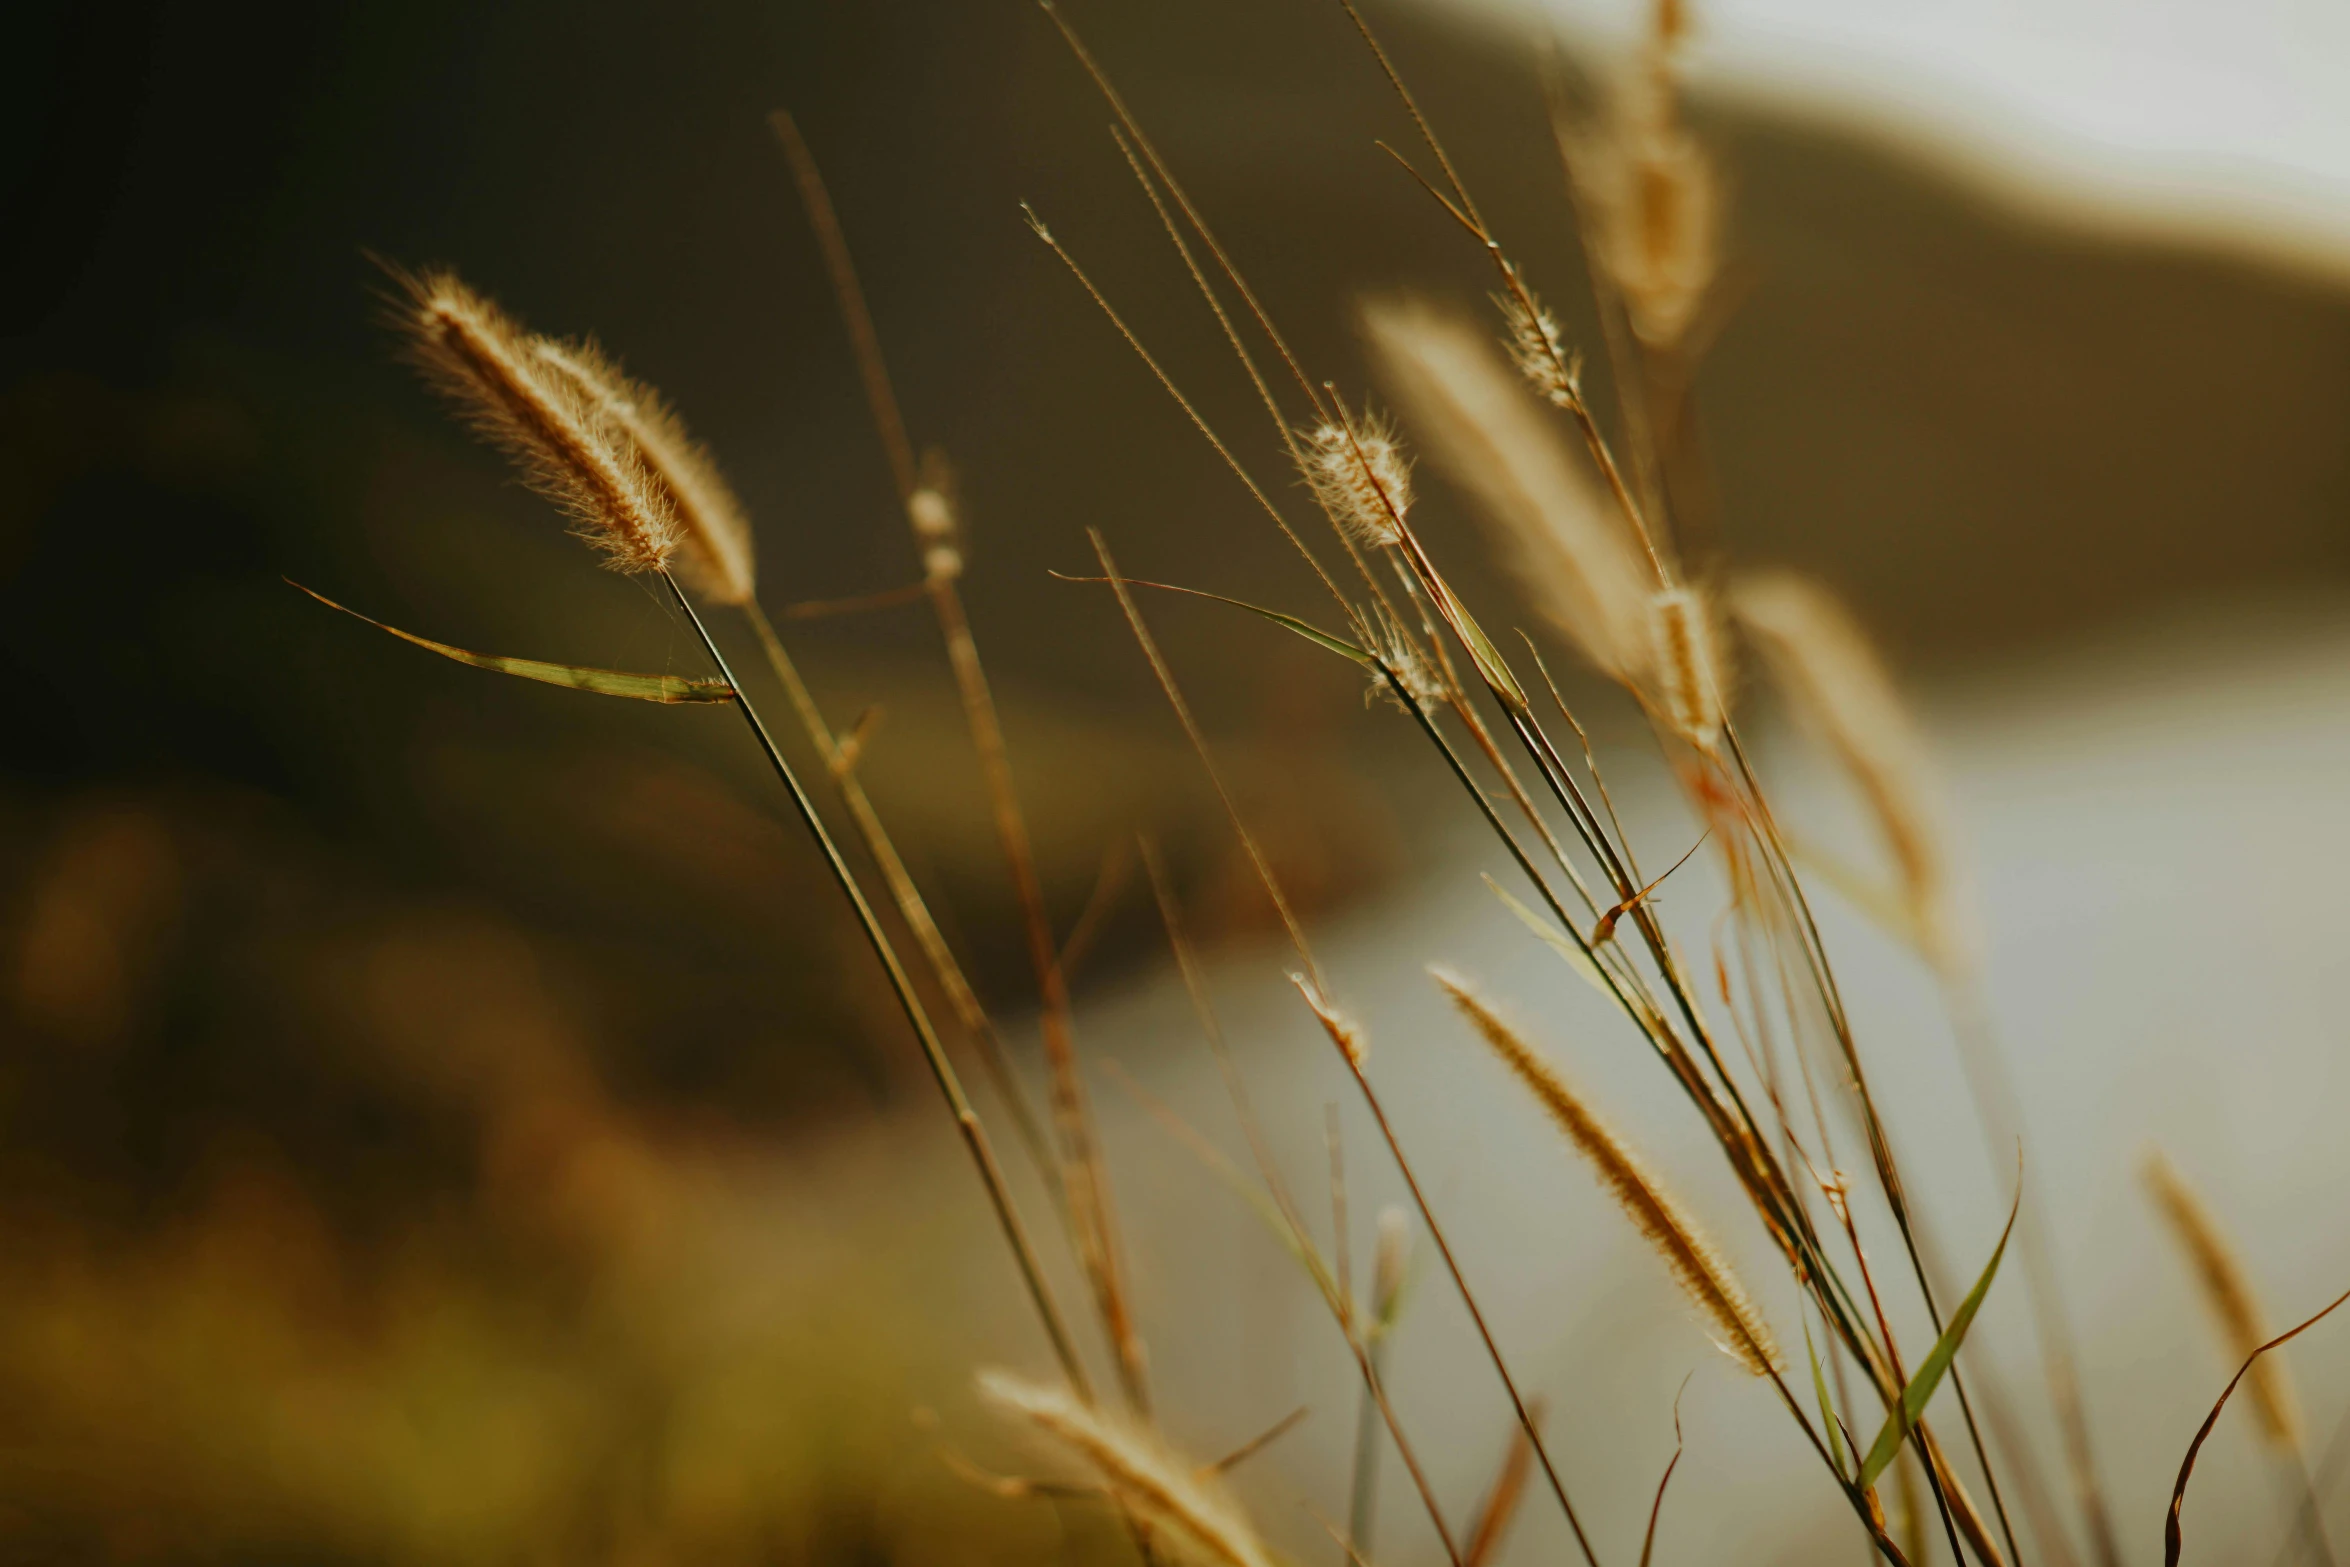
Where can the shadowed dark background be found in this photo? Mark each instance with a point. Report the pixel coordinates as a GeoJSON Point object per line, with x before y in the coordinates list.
{"type": "Point", "coordinates": [247, 842]}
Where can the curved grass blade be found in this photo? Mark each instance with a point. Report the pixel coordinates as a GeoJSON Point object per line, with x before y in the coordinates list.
{"type": "Point", "coordinates": [1656, 1509]}
{"type": "Point", "coordinates": [1311, 633]}
{"type": "Point", "coordinates": [1267, 1211]}
{"type": "Point", "coordinates": [1914, 1398]}
{"type": "Point", "coordinates": [1577, 959]}
{"type": "Point", "coordinates": [1488, 657]}
{"type": "Point", "coordinates": [604, 682]}
{"type": "Point", "coordinates": [2171, 1540]}
{"type": "Point", "coordinates": [1819, 1387]}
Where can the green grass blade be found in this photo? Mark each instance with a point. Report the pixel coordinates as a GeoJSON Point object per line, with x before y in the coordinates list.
{"type": "Point", "coordinates": [1819, 1387]}
{"type": "Point", "coordinates": [1311, 633]}
{"type": "Point", "coordinates": [604, 682]}
{"type": "Point", "coordinates": [1489, 660]}
{"type": "Point", "coordinates": [1914, 1398]}
{"type": "Point", "coordinates": [1577, 959]}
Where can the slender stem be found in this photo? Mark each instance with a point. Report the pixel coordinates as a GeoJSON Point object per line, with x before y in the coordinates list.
{"type": "Point", "coordinates": [1363, 1492]}
{"type": "Point", "coordinates": [911, 906]}
{"type": "Point", "coordinates": [934, 1053]}
{"type": "Point", "coordinates": [1460, 1281]}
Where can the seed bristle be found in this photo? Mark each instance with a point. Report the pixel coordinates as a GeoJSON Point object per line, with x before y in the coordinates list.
{"type": "Point", "coordinates": [481, 360]}
{"type": "Point", "coordinates": [1696, 1265]}
{"type": "Point", "coordinates": [1175, 1500]}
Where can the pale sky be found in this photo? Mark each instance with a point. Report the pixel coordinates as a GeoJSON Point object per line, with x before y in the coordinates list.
{"type": "Point", "coordinates": [2212, 118]}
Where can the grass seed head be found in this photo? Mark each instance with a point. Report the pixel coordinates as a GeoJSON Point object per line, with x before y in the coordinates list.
{"type": "Point", "coordinates": [1182, 1509]}
{"type": "Point", "coordinates": [1653, 193]}
{"type": "Point", "coordinates": [1701, 1271]}
{"type": "Point", "coordinates": [1687, 670]}
{"type": "Point", "coordinates": [1539, 351]}
{"type": "Point", "coordinates": [482, 361]}
{"type": "Point", "coordinates": [714, 554]}
{"type": "Point", "coordinates": [2227, 1290]}
{"type": "Point", "coordinates": [1824, 665]}
{"type": "Point", "coordinates": [1578, 560]}
{"type": "Point", "coordinates": [1361, 477]}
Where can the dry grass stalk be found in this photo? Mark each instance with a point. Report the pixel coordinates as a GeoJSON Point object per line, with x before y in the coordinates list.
{"type": "Point", "coordinates": [927, 495]}
{"type": "Point", "coordinates": [1177, 1502]}
{"type": "Point", "coordinates": [714, 537]}
{"type": "Point", "coordinates": [1700, 1270]}
{"type": "Point", "coordinates": [2227, 1291]}
{"type": "Point", "coordinates": [482, 361]}
{"type": "Point", "coordinates": [1582, 568]}
{"type": "Point", "coordinates": [1831, 675]}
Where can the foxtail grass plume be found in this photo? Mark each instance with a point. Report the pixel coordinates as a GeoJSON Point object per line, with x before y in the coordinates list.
{"type": "Point", "coordinates": [1579, 562]}
{"type": "Point", "coordinates": [1401, 655]}
{"type": "Point", "coordinates": [714, 553]}
{"type": "Point", "coordinates": [1700, 1270]}
{"type": "Point", "coordinates": [2227, 1291]}
{"type": "Point", "coordinates": [1653, 195]}
{"type": "Point", "coordinates": [1538, 349]}
{"type": "Point", "coordinates": [1361, 477]}
{"type": "Point", "coordinates": [473, 354]}
{"type": "Point", "coordinates": [1181, 1507]}
{"type": "Point", "coordinates": [1830, 674]}
{"type": "Point", "coordinates": [1688, 673]}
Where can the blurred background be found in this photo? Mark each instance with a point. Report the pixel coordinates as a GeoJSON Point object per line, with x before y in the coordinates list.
{"type": "Point", "coordinates": [445, 1118]}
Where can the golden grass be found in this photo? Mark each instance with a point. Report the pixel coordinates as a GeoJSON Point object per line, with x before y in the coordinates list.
{"type": "Point", "coordinates": [1696, 1264]}
{"type": "Point", "coordinates": [1757, 1041]}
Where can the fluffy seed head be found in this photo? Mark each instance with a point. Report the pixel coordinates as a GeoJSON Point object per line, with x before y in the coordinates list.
{"type": "Point", "coordinates": [1687, 672]}
{"type": "Point", "coordinates": [1579, 561]}
{"type": "Point", "coordinates": [2227, 1291]}
{"type": "Point", "coordinates": [478, 358]}
{"type": "Point", "coordinates": [1538, 350]}
{"type": "Point", "coordinates": [1653, 195]}
{"type": "Point", "coordinates": [1399, 652]}
{"type": "Point", "coordinates": [1823, 663]}
{"type": "Point", "coordinates": [1182, 1509]}
{"type": "Point", "coordinates": [714, 538]}
{"type": "Point", "coordinates": [1700, 1270]}
{"type": "Point", "coordinates": [1361, 477]}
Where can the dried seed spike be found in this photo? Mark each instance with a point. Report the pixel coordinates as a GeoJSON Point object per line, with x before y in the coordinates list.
{"type": "Point", "coordinates": [1829, 673]}
{"type": "Point", "coordinates": [2228, 1292]}
{"type": "Point", "coordinates": [1652, 192]}
{"type": "Point", "coordinates": [1473, 416]}
{"type": "Point", "coordinates": [714, 538]}
{"type": "Point", "coordinates": [1687, 670]}
{"type": "Point", "coordinates": [1360, 476]}
{"type": "Point", "coordinates": [1182, 1507]}
{"type": "Point", "coordinates": [478, 358]}
{"type": "Point", "coordinates": [1700, 1270]}
{"type": "Point", "coordinates": [1400, 654]}
{"type": "Point", "coordinates": [1538, 349]}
